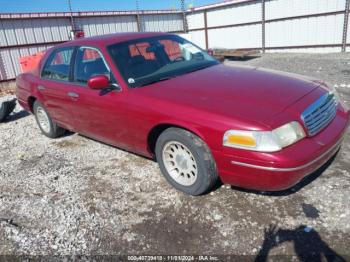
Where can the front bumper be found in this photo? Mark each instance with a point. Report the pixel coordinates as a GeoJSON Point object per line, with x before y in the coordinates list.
{"type": "Point", "coordinates": [283, 169]}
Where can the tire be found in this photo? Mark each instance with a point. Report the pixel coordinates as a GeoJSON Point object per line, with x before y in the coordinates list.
{"type": "Point", "coordinates": [45, 123]}
{"type": "Point", "coordinates": [186, 161]}
{"type": "Point", "coordinates": [6, 109]}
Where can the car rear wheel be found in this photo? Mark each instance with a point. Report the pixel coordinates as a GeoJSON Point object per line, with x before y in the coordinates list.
{"type": "Point", "coordinates": [186, 161]}
{"type": "Point", "coordinates": [45, 123]}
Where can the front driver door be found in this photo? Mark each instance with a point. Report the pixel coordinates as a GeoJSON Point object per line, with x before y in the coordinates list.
{"type": "Point", "coordinates": [102, 117]}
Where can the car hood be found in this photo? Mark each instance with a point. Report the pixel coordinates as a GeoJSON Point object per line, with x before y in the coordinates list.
{"type": "Point", "coordinates": [236, 92]}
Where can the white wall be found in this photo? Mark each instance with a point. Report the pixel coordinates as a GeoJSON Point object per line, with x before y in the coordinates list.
{"type": "Point", "coordinates": [198, 37]}
{"type": "Point", "coordinates": [31, 31]}
{"type": "Point", "coordinates": [106, 25]}
{"type": "Point", "coordinates": [306, 31]}
{"type": "Point", "coordinates": [235, 37]}
{"type": "Point", "coordinates": [10, 58]}
{"type": "Point", "coordinates": [195, 20]}
{"type": "Point", "coordinates": [162, 23]}
{"type": "Point", "coordinates": [243, 13]}
{"type": "Point", "coordinates": [348, 35]}
{"type": "Point", "coordinates": [285, 8]}
{"type": "Point", "coordinates": [315, 30]}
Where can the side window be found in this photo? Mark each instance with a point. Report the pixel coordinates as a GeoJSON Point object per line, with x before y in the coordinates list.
{"type": "Point", "coordinates": [58, 64]}
{"type": "Point", "coordinates": [89, 63]}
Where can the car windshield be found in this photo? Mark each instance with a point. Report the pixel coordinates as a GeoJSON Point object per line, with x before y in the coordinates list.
{"type": "Point", "coordinates": [148, 60]}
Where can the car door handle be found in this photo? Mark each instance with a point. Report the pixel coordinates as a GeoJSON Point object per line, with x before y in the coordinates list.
{"type": "Point", "coordinates": [40, 87]}
{"type": "Point", "coordinates": [73, 95]}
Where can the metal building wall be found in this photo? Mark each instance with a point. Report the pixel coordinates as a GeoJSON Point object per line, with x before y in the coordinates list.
{"type": "Point", "coordinates": [241, 13]}
{"type": "Point", "coordinates": [9, 57]}
{"type": "Point", "coordinates": [198, 37]}
{"type": "Point", "coordinates": [162, 23]}
{"type": "Point", "coordinates": [25, 34]}
{"type": "Point", "coordinates": [224, 36]}
{"type": "Point", "coordinates": [348, 32]}
{"type": "Point", "coordinates": [93, 26]}
{"type": "Point", "coordinates": [195, 20]}
{"type": "Point", "coordinates": [323, 29]}
{"type": "Point", "coordinates": [32, 31]}
{"type": "Point", "coordinates": [271, 25]}
{"type": "Point", "coordinates": [235, 37]}
{"type": "Point", "coordinates": [290, 26]}
{"type": "Point", "coordinates": [288, 8]}
{"type": "Point", "coordinates": [326, 30]}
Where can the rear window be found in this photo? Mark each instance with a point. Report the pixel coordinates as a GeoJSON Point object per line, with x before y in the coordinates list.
{"type": "Point", "coordinates": [57, 66]}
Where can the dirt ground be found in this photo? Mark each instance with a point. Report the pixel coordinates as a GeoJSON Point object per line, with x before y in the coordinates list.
{"type": "Point", "coordinates": [76, 196]}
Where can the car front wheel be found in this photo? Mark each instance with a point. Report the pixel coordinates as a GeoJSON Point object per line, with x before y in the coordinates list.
{"type": "Point", "coordinates": [45, 123]}
{"type": "Point", "coordinates": [186, 161]}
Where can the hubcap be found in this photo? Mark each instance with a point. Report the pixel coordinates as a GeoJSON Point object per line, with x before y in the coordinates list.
{"type": "Point", "coordinates": [43, 119]}
{"type": "Point", "coordinates": [180, 163]}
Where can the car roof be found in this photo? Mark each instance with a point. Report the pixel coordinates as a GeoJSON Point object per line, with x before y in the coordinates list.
{"type": "Point", "coordinates": [105, 40]}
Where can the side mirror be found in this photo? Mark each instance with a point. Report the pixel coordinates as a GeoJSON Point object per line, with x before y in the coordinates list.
{"type": "Point", "coordinates": [98, 82]}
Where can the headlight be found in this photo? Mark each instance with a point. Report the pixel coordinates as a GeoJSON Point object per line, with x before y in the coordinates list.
{"type": "Point", "coordinates": [337, 96]}
{"type": "Point", "coordinates": [265, 141]}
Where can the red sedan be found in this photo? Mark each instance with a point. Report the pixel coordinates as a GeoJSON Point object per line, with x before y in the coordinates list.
{"type": "Point", "coordinates": [162, 97]}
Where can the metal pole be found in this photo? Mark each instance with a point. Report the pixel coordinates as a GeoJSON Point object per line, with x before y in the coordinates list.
{"type": "Point", "coordinates": [345, 26]}
{"type": "Point", "coordinates": [263, 26]}
{"type": "Point", "coordinates": [71, 17]}
{"type": "Point", "coordinates": [206, 30]}
{"type": "Point", "coordinates": [184, 18]}
{"type": "Point", "coordinates": [138, 20]}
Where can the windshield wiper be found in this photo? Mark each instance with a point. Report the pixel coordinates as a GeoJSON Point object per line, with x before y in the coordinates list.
{"type": "Point", "coordinates": [156, 80]}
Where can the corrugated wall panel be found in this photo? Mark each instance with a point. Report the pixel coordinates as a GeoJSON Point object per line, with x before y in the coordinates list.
{"type": "Point", "coordinates": [107, 25]}
{"type": "Point", "coordinates": [31, 31]}
{"type": "Point", "coordinates": [287, 8]}
{"type": "Point", "coordinates": [195, 20]}
{"type": "Point", "coordinates": [305, 31]}
{"type": "Point", "coordinates": [162, 23]}
{"type": "Point", "coordinates": [237, 14]}
{"type": "Point", "coordinates": [348, 34]}
{"type": "Point", "coordinates": [235, 37]}
{"type": "Point", "coordinates": [10, 58]}
{"type": "Point", "coordinates": [198, 37]}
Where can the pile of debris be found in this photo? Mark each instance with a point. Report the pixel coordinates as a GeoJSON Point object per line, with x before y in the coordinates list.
{"type": "Point", "coordinates": [222, 54]}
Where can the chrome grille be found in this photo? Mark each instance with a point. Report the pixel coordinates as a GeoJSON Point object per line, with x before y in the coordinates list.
{"type": "Point", "coordinates": [320, 113]}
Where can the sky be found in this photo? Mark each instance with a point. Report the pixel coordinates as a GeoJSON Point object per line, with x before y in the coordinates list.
{"type": "Point", "coordinates": [15, 6]}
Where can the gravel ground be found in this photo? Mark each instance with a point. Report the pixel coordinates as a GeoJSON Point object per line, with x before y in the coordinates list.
{"type": "Point", "coordinates": [76, 196]}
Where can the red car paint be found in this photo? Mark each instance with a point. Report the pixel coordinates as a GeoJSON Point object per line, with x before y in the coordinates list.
{"type": "Point", "coordinates": [207, 102]}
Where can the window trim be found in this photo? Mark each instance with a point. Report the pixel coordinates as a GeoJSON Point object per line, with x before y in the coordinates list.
{"type": "Point", "coordinates": [73, 81]}
{"type": "Point", "coordinates": [53, 53]}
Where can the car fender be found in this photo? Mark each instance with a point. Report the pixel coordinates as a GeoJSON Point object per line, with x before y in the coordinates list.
{"type": "Point", "coordinates": [37, 95]}
{"type": "Point", "coordinates": [184, 125]}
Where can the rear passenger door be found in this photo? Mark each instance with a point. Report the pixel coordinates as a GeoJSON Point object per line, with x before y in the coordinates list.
{"type": "Point", "coordinates": [54, 86]}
